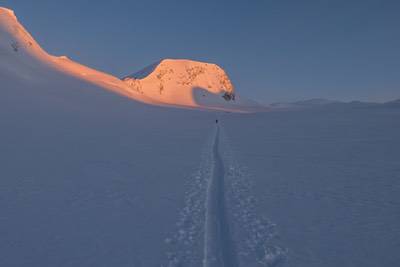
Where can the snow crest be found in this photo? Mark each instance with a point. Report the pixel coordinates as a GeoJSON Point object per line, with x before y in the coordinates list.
{"type": "Point", "coordinates": [7, 11]}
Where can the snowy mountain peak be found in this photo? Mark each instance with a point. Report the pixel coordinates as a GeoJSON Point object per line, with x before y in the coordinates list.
{"type": "Point", "coordinates": [7, 11]}
{"type": "Point", "coordinates": [187, 81]}
{"type": "Point", "coordinates": [187, 72]}
{"type": "Point", "coordinates": [9, 23]}
{"type": "Point", "coordinates": [15, 38]}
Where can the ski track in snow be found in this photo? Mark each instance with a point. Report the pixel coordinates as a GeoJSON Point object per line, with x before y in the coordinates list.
{"type": "Point", "coordinates": [185, 245]}
{"type": "Point", "coordinates": [218, 246]}
{"type": "Point", "coordinates": [219, 225]}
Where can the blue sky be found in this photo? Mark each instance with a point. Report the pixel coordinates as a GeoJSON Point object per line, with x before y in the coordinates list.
{"type": "Point", "coordinates": [273, 50]}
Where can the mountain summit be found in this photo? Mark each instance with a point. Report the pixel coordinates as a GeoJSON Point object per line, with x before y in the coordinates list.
{"type": "Point", "coordinates": [188, 82]}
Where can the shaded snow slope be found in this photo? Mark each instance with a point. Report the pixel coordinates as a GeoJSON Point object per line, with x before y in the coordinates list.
{"type": "Point", "coordinates": [189, 83]}
{"type": "Point", "coordinates": [87, 178]}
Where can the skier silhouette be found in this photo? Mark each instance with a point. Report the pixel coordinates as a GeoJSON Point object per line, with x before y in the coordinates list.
{"type": "Point", "coordinates": [216, 121]}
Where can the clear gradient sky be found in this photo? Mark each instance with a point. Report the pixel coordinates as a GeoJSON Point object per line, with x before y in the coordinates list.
{"type": "Point", "coordinates": [274, 50]}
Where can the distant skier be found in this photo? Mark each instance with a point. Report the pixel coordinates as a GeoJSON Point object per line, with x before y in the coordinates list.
{"type": "Point", "coordinates": [216, 121]}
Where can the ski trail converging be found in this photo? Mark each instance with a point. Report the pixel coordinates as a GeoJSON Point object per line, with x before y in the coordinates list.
{"type": "Point", "coordinates": [218, 245]}
{"type": "Point", "coordinates": [219, 224]}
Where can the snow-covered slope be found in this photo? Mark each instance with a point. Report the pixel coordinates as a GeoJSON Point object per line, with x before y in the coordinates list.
{"type": "Point", "coordinates": [189, 83]}
{"type": "Point", "coordinates": [23, 60]}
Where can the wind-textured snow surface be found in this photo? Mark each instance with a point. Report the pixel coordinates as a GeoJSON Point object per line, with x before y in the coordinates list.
{"type": "Point", "coordinates": [329, 180]}
{"type": "Point", "coordinates": [90, 178]}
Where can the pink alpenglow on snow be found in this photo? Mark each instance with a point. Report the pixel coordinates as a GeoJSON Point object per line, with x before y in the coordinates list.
{"type": "Point", "coordinates": [188, 83]}
{"type": "Point", "coordinates": [179, 83]}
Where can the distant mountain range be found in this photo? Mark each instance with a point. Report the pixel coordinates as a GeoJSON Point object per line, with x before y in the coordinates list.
{"type": "Point", "coordinates": [326, 103]}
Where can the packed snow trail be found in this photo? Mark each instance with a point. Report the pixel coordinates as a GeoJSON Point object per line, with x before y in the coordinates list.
{"type": "Point", "coordinates": [219, 224]}
{"type": "Point", "coordinates": [218, 246]}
